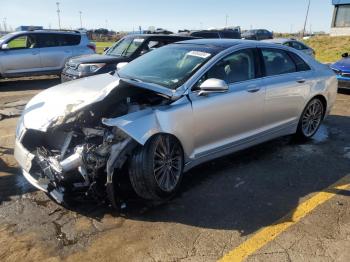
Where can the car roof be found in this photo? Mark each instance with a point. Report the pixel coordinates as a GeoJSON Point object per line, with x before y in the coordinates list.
{"type": "Point", "coordinates": [47, 32]}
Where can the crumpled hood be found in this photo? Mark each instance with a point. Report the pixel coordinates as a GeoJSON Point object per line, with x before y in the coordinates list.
{"type": "Point", "coordinates": [58, 101]}
{"type": "Point", "coordinates": [343, 64]}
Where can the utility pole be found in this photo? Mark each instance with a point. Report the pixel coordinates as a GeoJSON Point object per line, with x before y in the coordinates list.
{"type": "Point", "coordinates": [58, 15]}
{"type": "Point", "coordinates": [307, 14]}
{"type": "Point", "coordinates": [81, 21]}
{"type": "Point", "coordinates": [5, 25]}
{"type": "Point", "coordinates": [226, 20]}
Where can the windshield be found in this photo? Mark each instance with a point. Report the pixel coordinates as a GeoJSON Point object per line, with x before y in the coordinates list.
{"type": "Point", "coordinates": [168, 66]}
{"type": "Point", "coordinates": [125, 47]}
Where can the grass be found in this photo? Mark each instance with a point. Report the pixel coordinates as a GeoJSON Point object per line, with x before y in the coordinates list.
{"type": "Point", "coordinates": [101, 45]}
{"type": "Point", "coordinates": [329, 49]}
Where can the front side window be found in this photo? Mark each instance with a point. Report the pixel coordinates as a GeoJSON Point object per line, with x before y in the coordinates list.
{"type": "Point", "coordinates": [22, 42]}
{"type": "Point", "coordinates": [342, 17]}
{"type": "Point", "coordinates": [237, 67]}
{"type": "Point", "coordinates": [169, 66]}
{"type": "Point", "coordinates": [277, 62]}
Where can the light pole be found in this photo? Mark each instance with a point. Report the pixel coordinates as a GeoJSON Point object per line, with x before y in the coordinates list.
{"type": "Point", "coordinates": [226, 20]}
{"type": "Point", "coordinates": [58, 15]}
{"type": "Point", "coordinates": [307, 14]}
{"type": "Point", "coordinates": [81, 21]}
{"type": "Point", "coordinates": [5, 25]}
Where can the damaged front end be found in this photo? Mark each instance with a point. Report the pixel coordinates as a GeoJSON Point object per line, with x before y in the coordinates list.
{"type": "Point", "coordinates": [77, 155]}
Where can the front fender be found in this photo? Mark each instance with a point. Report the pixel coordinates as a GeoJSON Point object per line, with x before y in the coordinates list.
{"type": "Point", "coordinates": [142, 125]}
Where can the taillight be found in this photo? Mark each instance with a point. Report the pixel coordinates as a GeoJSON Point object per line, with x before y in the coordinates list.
{"type": "Point", "coordinates": [92, 47]}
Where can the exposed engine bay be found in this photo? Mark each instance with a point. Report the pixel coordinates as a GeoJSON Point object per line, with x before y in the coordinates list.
{"type": "Point", "coordinates": [79, 155]}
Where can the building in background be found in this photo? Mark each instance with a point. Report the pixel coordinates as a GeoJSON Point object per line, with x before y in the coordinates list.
{"type": "Point", "coordinates": [341, 18]}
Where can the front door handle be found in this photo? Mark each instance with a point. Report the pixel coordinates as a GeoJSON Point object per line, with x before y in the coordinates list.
{"type": "Point", "coordinates": [35, 52]}
{"type": "Point", "coordinates": [300, 81]}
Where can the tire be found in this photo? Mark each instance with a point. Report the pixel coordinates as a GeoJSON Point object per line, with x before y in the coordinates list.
{"type": "Point", "coordinates": [311, 119]}
{"type": "Point", "coordinates": [156, 169]}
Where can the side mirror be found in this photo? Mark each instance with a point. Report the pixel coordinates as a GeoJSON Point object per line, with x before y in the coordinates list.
{"type": "Point", "coordinates": [5, 47]}
{"type": "Point", "coordinates": [345, 55]}
{"type": "Point", "coordinates": [212, 85]}
{"type": "Point", "coordinates": [105, 49]}
{"type": "Point", "coordinates": [121, 65]}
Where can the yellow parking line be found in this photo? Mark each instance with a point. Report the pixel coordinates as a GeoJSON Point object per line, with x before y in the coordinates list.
{"type": "Point", "coordinates": [269, 233]}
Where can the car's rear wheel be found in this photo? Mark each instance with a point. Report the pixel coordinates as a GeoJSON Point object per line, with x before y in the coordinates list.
{"type": "Point", "coordinates": [311, 119]}
{"type": "Point", "coordinates": [156, 169]}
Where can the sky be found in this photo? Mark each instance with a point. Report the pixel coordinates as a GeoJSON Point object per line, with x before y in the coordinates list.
{"type": "Point", "coordinates": [126, 15]}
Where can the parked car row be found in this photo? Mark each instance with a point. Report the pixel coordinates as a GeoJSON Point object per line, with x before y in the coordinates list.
{"type": "Point", "coordinates": [71, 55]}
{"type": "Point", "coordinates": [166, 112]}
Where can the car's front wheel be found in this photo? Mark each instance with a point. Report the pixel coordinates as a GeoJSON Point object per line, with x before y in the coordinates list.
{"type": "Point", "coordinates": [156, 169]}
{"type": "Point", "coordinates": [311, 119]}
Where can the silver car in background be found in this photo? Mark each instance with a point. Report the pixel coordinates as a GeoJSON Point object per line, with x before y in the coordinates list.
{"type": "Point", "coordinates": [290, 42]}
{"type": "Point", "coordinates": [166, 112]}
{"type": "Point", "coordinates": [40, 52]}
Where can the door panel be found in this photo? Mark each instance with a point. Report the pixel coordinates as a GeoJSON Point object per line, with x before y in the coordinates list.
{"type": "Point", "coordinates": [287, 84]}
{"type": "Point", "coordinates": [285, 97]}
{"type": "Point", "coordinates": [22, 57]}
{"type": "Point", "coordinates": [220, 120]}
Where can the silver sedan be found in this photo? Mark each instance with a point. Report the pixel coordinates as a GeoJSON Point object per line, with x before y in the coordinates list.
{"type": "Point", "coordinates": [166, 112]}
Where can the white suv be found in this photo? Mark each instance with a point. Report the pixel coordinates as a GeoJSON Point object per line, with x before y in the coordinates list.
{"type": "Point", "coordinates": [40, 52]}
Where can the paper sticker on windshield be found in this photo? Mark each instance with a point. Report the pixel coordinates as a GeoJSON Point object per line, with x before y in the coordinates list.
{"type": "Point", "coordinates": [199, 54]}
{"type": "Point", "coordinates": [139, 40]}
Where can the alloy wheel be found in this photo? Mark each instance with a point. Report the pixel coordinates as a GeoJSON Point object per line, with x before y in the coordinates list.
{"type": "Point", "coordinates": [167, 163]}
{"type": "Point", "coordinates": [312, 118]}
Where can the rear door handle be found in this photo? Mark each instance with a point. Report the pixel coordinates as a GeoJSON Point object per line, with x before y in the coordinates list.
{"type": "Point", "coordinates": [300, 81]}
{"type": "Point", "coordinates": [35, 52]}
{"type": "Point", "coordinates": [253, 89]}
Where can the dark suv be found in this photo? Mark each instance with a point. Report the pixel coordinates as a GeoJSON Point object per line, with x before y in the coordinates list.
{"type": "Point", "coordinates": [257, 34]}
{"type": "Point", "coordinates": [225, 33]}
{"type": "Point", "coordinates": [125, 50]}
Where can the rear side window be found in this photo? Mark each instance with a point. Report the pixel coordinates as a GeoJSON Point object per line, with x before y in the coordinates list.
{"type": "Point", "coordinates": [68, 40]}
{"type": "Point", "coordinates": [228, 34]}
{"type": "Point", "coordinates": [277, 62]}
{"type": "Point", "coordinates": [299, 62]}
{"type": "Point", "coordinates": [52, 40]}
{"type": "Point", "coordinates": [207, 35]}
